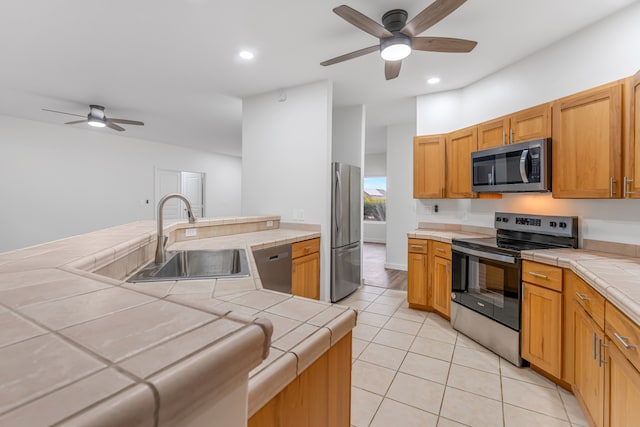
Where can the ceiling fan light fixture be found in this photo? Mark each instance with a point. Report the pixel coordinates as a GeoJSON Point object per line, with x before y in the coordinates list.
{"type": "Point", "coordinates": [96, 122]}
{"type": "Point", "coordinates": [245, 54]}
{"type": "Point", "coordinates": [395, 48]}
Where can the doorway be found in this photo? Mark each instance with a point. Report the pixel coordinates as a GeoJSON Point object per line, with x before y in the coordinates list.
{"type": "Point", "coordinates": [189, 184]}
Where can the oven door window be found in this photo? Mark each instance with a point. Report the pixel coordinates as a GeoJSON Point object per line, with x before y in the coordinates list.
{"type": "Point", "coordinates": [493, 289]}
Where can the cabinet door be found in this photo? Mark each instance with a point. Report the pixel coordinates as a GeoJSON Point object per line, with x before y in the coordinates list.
{"type": "Point", "coordinates": [305, 277]}
{"type": "Point", "coordinates": [542, 328]}
{"type": "Point", "coordinates": [428, 166]}
{"type": "Point", "coordinates": [587, 144]}
{"type": "Point", "coordinates": [623, 391]}
{"type": "Point", "coordinates": [532, 123]}
{"type": "Point", "coordinates": [442, 286]}
{"type": "Point", "coordinates": [588, 370]}
{"type": "Point", "coordinates": [493, 133]}
{"type": "Point", "coordinates": [459, 146]}
{"type": "Point", "coordinates": [417, 280]}
{"type": "Point", "coordinates": [632, 138]}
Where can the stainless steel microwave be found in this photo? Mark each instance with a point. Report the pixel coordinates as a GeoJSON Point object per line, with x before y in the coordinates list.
{"type": "Point", "coordinates": [513, 168]}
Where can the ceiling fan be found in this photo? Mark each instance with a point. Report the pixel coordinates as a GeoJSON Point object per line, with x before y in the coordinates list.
{"type": "Point", "coordinates": [97, 118]}
{"type": "Point", "coordinates": [398, 38]}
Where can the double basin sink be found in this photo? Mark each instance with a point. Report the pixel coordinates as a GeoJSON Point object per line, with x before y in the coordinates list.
{"type": "Point", "coordinates": [195, 264]}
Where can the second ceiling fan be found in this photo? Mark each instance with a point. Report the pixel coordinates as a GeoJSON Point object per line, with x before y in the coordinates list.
{"type": "Point", "coordinates": [398, 38]}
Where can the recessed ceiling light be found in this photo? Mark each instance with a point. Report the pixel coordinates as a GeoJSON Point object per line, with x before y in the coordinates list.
{"type": "Point", "coordinates": [245, 54]}
{"type": "Point", "coordinates": [433, 80]}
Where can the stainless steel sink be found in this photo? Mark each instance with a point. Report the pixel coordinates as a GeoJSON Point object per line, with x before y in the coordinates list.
{"type": "Point", "coordinates": [196, 264]}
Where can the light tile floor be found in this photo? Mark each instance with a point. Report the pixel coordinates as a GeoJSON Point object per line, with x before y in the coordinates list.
{"type": "Point", "coordinates": [411, 368]}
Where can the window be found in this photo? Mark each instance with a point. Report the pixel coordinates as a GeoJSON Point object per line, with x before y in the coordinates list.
{"type": "Point", "coordinates": [375, 198]}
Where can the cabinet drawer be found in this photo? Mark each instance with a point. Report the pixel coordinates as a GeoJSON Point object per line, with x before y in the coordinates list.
{"type": "Point", "coordinates": [440, 249]}
{"type": "Point", "coordinates": [543, 275]}
{"type": "Point", "coordinates": [624, 333]}
{"type": "Point", "coordinates": [589, 299]}
{"type": "Point", "coordinates": [305, 247]}
{"type": "Point", "coordinates": [418, 246]}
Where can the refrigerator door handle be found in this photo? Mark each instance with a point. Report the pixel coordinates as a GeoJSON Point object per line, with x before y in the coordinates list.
{"type": "Point", "coordinates": [338, 201]}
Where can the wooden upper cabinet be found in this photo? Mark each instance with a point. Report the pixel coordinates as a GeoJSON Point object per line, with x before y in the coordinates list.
{"type": "Point", "coordinates": [428, 166]}
{"type": "Point", "coordinates": [532, 123]}
{"type": "Point", "coordinates": [525, 125]}
{"type": "Point", "coordinates": [460, 144]}
{"type": "Point", "coordinates": [493, 133]}
{"type": "Point", "coordinates": [587, 143]}
{"type": "Point", "coordinates": [631, 179]}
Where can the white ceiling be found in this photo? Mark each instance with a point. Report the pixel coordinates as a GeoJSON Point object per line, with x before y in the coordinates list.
{"type": "Point", "coordinates": [173, 63]}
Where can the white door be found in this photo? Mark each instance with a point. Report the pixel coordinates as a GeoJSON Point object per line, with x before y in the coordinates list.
{"type": "Point", "coordinates": [192, 185]}
{"type": "Point", "coordinates": [189, 184]}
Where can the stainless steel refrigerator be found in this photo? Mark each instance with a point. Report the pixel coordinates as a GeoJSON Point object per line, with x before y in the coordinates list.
{"type": "Point", "coordinates": [346, 218]}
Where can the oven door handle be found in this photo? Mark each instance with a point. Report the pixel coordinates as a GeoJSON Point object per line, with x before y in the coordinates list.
{"type": "Point", "coordinates": [486, 255]}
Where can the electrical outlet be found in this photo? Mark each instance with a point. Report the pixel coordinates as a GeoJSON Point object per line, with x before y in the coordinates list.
{"type": "Point", "coordinates": [269, 223]}
{"type": "Point", "coordinates": [191, 232]}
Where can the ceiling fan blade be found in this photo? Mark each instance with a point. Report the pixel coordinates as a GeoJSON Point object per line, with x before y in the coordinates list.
{"type": "Point", "coordinates": [76, 122]}
{"type": "Point", "coordinates": [126, 122]}
{"type": "Point", "coordinates": [351, 55]}
{"type": "Point", "coordinates": [434, 13]}
{"type": "Point", "coordinates": [114, 126]}
{"type": "Point", "coordinates": [392, 69]}
{"type": "Point", "coordinates": [62, 112]}
{"type": "Point", "coordinates": [442, 44]}
{"type": "Point", "coordinates": [361, 21]}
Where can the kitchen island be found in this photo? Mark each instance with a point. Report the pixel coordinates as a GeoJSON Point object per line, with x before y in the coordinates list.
{"type": "Point", "coordinates": [80, 345]}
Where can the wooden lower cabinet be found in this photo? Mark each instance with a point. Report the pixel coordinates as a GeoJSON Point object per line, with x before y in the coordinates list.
{"type": "Point", "coordinates": [429, 276]}
{"type": "Point", "coordinates": [319, 397]}
{"type": "Point", "coordinates": [305, 276]}
{"type": "Point", "coordinates": [589, 371]}
{"type": "Point", "coordinates": [442, 286]}
{"type": "Point", "coordinates": [622, 400]}
{"type": "Point", "coordinates": [417, 280]}
{"type": "Point", "coordinates": [542, 328]}
{"type": "Point", "coordinates": [417, 274]}
{"type": "Point", "coordinates": [305, 268]}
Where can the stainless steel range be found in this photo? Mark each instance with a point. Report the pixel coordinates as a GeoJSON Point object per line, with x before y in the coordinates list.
{"type": "Point", "coordinates": [487, 277]}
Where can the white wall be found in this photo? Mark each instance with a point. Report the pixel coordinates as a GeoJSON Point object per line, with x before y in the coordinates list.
{"type": "Point", "coordinates": [598, 54]}
{"type": "Point", "coordinates": [374, 231]}
{"type": "Point", "coordinates": [401, 215]}
{"type": "Point", "coordinates": [286, 160]}
{"type": "Point", "coordinates": [348, 135]}
{"type": "Point", "coordinates": [59, 181]}
{"type": "Point", "coordinates": [375, 164]}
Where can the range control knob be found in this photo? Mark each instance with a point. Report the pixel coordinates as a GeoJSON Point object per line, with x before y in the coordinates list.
{"type": "Point", "coordinates": [563, 225]}
{"type": "Point", "coordinates": [553, 224]}
{"type": "Point", "coordinates": [498, 219]}
{"type": "Point", "coordinates": [505, 219]}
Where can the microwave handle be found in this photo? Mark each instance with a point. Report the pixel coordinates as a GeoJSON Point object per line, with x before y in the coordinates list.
{"type": "Point", "coordinates": [523, 171]}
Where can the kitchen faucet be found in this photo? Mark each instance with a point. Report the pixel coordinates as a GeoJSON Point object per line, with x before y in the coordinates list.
{"type": "Point", "coordinates": [162, 239]}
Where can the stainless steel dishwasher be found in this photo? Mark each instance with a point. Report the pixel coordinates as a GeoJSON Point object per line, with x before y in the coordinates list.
{"type": "Point", "coordinates": [274, 267]}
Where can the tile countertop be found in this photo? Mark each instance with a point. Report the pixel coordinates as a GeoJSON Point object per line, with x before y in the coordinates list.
{"type": "Point", "coordinates": [616, 277]}
{"type": "Point", "coordinates": [83, 348]}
